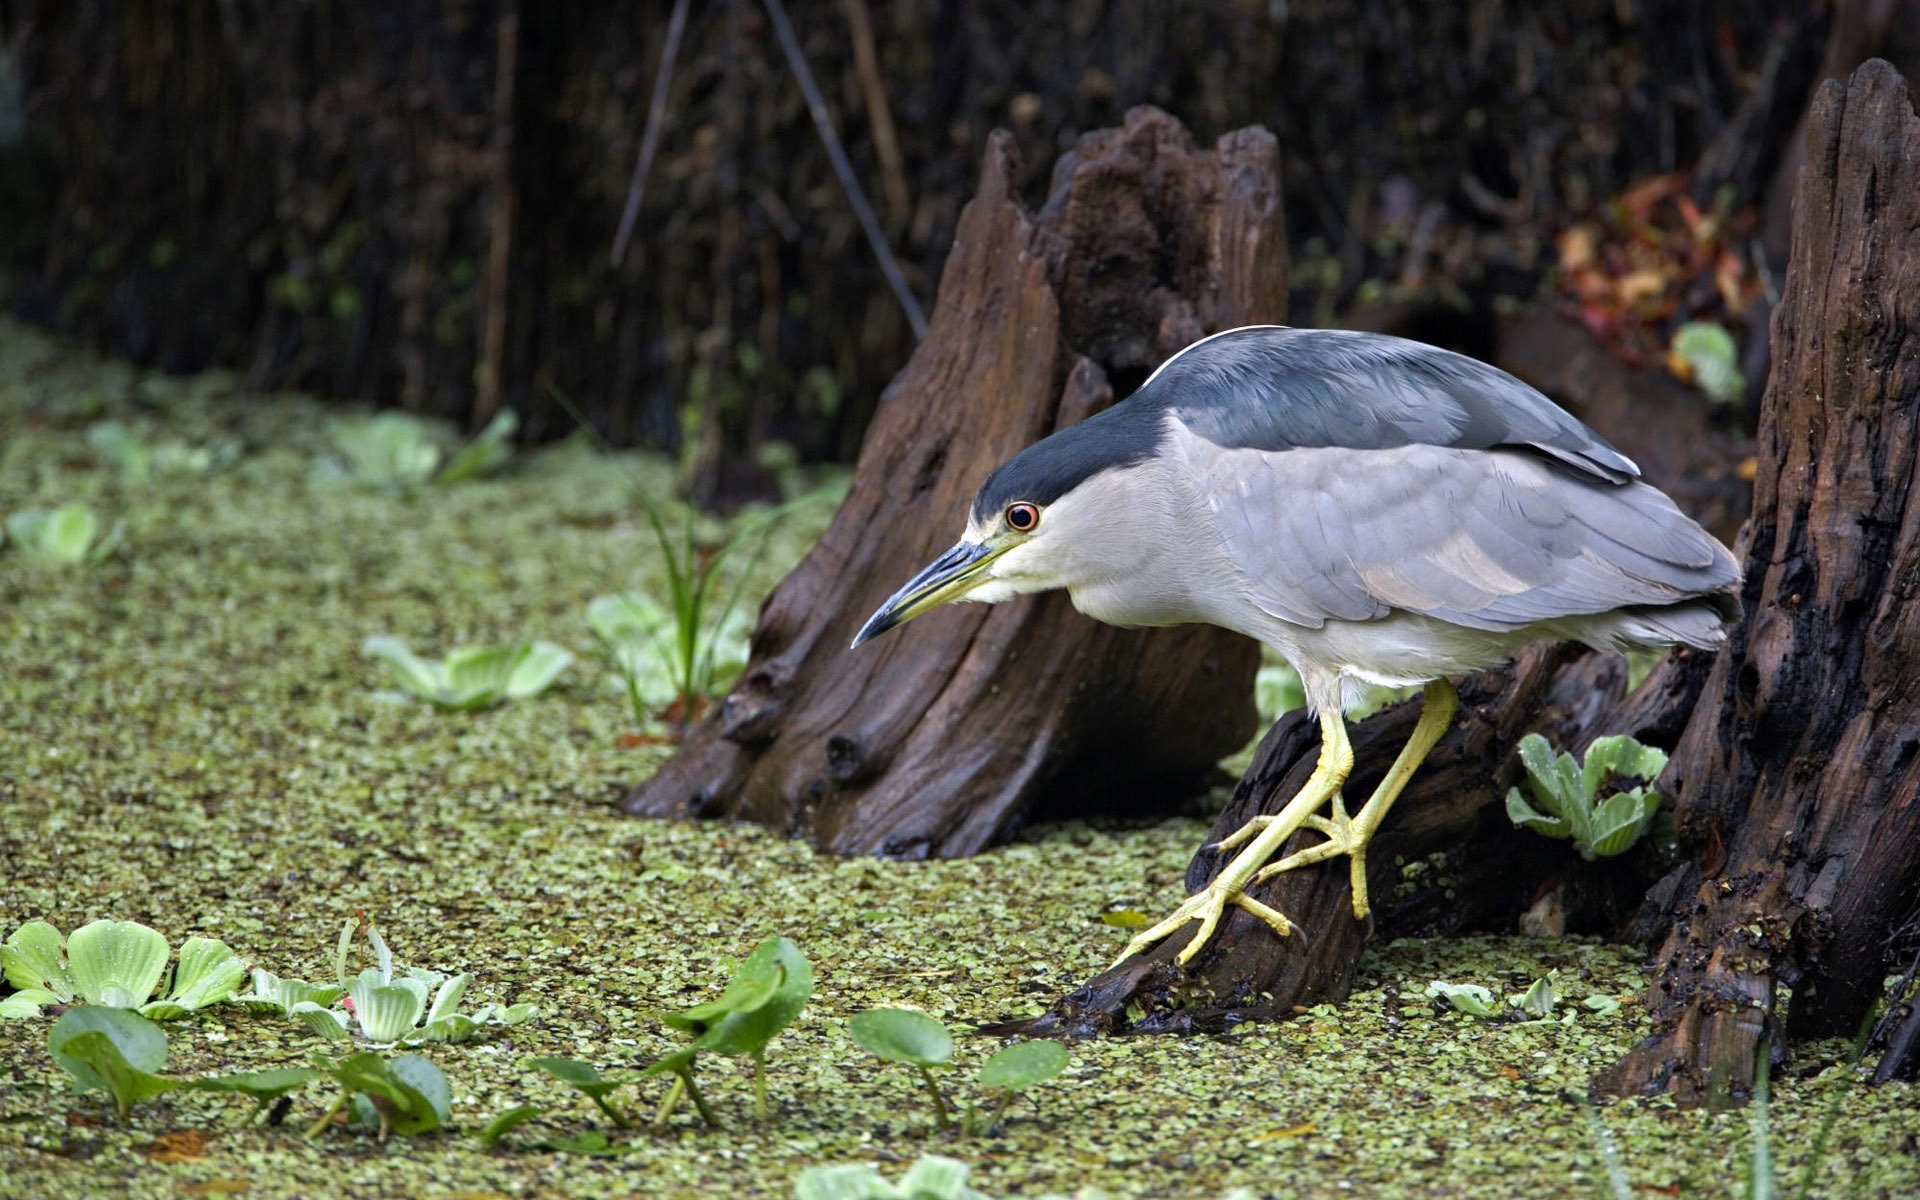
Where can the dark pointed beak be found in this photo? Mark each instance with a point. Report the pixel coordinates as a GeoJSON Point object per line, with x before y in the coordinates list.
{"type": "Point", "coordinates": [949, 577]}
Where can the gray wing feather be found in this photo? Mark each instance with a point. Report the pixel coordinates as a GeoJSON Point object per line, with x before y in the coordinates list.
{"type": "Point", "coordinates": [1490, 540]}
{"type": "Point", "coordinates": [1271, 388]}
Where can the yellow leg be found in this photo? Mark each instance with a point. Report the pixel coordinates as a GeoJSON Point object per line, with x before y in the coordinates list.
{"type": "Point", "coordinates": [1268, 834]}
{"type": "Point", "coordinates": [1350, 837]}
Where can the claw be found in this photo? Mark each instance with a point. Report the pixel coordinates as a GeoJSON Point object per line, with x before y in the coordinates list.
{"type": "Point", "coordinates": [1206, 906]}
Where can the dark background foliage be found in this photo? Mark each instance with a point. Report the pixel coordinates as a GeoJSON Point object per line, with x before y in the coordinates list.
{"type": "Point", "coordinates": [413, 202]}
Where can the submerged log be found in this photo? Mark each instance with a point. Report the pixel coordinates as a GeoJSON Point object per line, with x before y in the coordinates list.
{"type": "Point", "coordinates": [937, 740]}
{"type": "Point", "coordinates": [1799, 775]}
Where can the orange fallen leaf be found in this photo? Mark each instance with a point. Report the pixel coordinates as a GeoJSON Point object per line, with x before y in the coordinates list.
{"type": "Point", "coordinates": [633, 741]}
{"type": "Point", "coordinates": [1510, 1072]}
{"type": "Point", "coordinates": [177, 1146]}
{"type": "Point", "coordinates": [218, 1187]}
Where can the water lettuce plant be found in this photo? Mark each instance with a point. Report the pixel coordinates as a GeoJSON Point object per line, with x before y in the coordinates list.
{"type": "Point", "coordinates": [1587, 803]}
{"type": "Point", "coordinates": [904, 1036]}
{"type": "Point", "coordinates": [765, 994]}
{"type": "Point", "coordinates": [1705, 353]}
{"type": "Point", "coordinates": [392, 1006]}
{"type": "Point", "coordinates": [931, 1177]}
{"type": "Point", "coordinates": [276, 995]}
{"type": "Point", "coordinates": [397, 452]}
{"type": "Point", "coordinates": [67, 536]}
{"type": "Point", "coordinates": [1535, 1003]}
{"type": "Point", "coordinates": [114, 964]}
{"type": "Point", "coordinates": [139, 461]}
{"type": "Point", "coordinates": [473, 677]}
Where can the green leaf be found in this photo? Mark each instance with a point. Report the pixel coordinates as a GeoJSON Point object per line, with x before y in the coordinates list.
{"type": "Point", "coordinates": [1023, 1065]}
{"type": "Point", "coordinates": [446, 1001]}
{"type": "Point", "coordinates": [848, 1181]}
{"type": "Point", "coordinates": [273, 994]}
{"type": "Point", "coordinates": [583, 1076]}
{"type": "Point", "coordinates": [1539, 999]}
{"type": "Point", "coordinates": [484, 455]}
{"type": "Point", "coordinates": [902, 1035]}
{"type": "Point", "coordinates": [1710, 353]}
{"type": "Point", "coordinates": [208, 972]}
{"type": "Point", "coordinates": [430, 1083]}
{"type": "Point", "coordinates": [264, 1086]}
{"type": "Point", "coordinates": [1622, 756]}
{"type": "Point", "coordinates": [1526, 816]}
{"type": "Point", "coordinates": [1619, 822]}
{"type": "Point", "coordinates": [409, 1093]}
{"type": "Point", "coordinates": [386, 1012]}
{"type": "Point", "coordinates": [1468, 998]}
{"type": "Point", "coordinates": [536, 669]}
{"type": "Point", "coordinates": [754, 983]}
{"type": "Point", "coordinates": [935, 1177]}
{"type": "Point", "coordinates": [391, 451]}
{"type": "Point", "coordinates": [116, 963]}
{"type": "Point", "coordinates": [323, 1021]}
{"type": "Point", "coordinates": [96, 1063]}
{"type": "Point", "coordinates": [478, 676]}
{"type": "Point", "coordinates": [671, 1064]}
{"type": "Point", "coordinates": [22, 1005]}
{"type": "Point", "coordinates": [111, 1050]}
{"type": "Point", "coordinates": [507, 1122]}
{"type": "Point", "coordinates": [748, 1032]}
{"type": "Point", "coordinates": [422, 677]}
{"type": "Point", "coordinates": [31, 959]}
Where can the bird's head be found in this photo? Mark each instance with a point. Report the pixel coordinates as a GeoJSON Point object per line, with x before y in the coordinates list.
{"type": "Point", "coordinates": [1042, 520]}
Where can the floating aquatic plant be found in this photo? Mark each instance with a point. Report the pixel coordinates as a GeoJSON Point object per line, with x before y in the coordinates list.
{"type": "Point", "coordinates": [398, 452]}
{"type": "Point", "coordinates": [904, 1036]}
{"type": "Point", "coordinates": [1585, 803]}
{"type": "Point", "coordinates": [117, 1051]}
{"type": "Point", "coordinates": [931, 1177]}
{"type": "Point", "coordinates": [473, 677]}
{"type": "Point", "coordinates": [765, 994]}
{"type": "Point", "coordinates": [411, 1006]}
{"type": "Point", "coordinates": [406, 1095]}
{"type": "Point", "coordinates": [114, 964]}
{"type": "Point", "coordinates": [67, 536]}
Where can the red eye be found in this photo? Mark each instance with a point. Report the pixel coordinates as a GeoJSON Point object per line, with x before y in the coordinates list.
{"type": "Point", "coordinates": [1022, 517]}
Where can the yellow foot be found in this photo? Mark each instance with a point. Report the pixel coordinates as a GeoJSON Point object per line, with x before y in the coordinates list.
{"type": "Point", "coordinates": [1344, 836]}
{"type": "Point", "coordinates": [1258, 825]}
{"type": "Point", "coordinates": [1206, 906]}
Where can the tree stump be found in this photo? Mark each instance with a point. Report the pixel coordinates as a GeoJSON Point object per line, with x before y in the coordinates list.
{"type": "Point", "coordinates": [937, 740]}
{"type": "Point", "coordinates": [1799, 774]}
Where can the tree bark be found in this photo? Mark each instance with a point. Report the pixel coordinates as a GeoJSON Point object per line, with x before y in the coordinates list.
{"type": "Point", "coordinates": [1798, 776]}
{"type": "Point", "coordinates": [937, 740]}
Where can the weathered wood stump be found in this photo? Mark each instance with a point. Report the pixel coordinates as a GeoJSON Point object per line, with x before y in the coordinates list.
{"type": "Point", "coordinates": [937, 740]}
{"type": "Point", "coordinates": [1798, 776]}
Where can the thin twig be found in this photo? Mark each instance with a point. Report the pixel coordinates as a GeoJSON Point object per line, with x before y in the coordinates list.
{"type": "Point", "coordinates": [817, 105]}
{"type": "Point", "coordinates": [493, 346]}
{"type": "Point", "coordinates": [886, 144]}
{"type": "Point", "coordinates": [650, 140]}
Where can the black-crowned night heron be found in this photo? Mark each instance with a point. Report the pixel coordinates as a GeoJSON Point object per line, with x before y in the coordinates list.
{"type": "Point", "coordinates": [1376, 510]}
